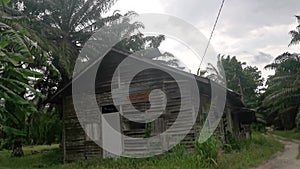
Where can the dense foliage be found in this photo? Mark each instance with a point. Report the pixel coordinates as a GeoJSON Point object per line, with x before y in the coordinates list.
{"type": "Point", "coordinates": [245, 80]}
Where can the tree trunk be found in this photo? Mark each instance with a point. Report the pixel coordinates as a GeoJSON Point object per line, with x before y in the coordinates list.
{"type": "Point", "coordinates": [17, 149]}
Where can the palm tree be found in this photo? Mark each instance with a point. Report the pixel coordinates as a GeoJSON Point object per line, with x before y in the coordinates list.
{"type": "Point", "coordinates": [283, 93]}
{"type": "Point", "coordinates": [295, 34]}
{"type": "Point", "coordinates": [65, 25]}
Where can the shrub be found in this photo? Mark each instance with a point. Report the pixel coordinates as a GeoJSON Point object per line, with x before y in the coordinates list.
{"type": "Point", "coordinates": [208, 151]}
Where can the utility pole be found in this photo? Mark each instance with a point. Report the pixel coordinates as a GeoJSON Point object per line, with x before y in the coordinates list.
{"type": "Point", "coordinates": [241, 90]}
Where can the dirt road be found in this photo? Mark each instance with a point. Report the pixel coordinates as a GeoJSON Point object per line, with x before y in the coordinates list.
{"type": "Point", "coordinates": [286, 159]}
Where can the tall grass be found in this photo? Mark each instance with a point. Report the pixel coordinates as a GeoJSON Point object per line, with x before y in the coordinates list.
{"type": "Point", "coordinates": [178, 158]}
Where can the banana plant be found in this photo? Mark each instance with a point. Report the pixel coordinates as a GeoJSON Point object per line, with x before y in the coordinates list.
{"type": "Point", "coordinates": [17, 79]}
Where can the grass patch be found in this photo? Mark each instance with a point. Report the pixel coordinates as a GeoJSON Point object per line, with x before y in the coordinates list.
{"type": "Point", "coordinates": [288, 134]}
{"type": "Point", "coordinates": [250, 154]}
{"type": "Point", "coordinates": [34, 157]}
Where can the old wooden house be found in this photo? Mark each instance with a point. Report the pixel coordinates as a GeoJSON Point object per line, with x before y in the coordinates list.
{"type": "Point", "coordinates": [78, 145]}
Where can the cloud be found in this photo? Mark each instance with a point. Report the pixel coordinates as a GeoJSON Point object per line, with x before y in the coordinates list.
{"type": "Point", "coordinates": [261, 58]}
{"type": "Point", "coordinates": [237, 17]}
{"type": "Point", "coordinates": [255, 30]}
{"type": "Point", "coordinates": [140, 6]}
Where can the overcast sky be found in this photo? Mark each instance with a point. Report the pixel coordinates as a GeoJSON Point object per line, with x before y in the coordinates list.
{"type": "Point", "coordinates": [256, 31]}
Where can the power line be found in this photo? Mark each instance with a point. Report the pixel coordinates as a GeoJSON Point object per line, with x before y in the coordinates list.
{"type": "Point", "coordinates": [211, 35]}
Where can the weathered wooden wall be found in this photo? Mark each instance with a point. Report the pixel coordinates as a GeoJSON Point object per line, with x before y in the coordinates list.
{"type": "Point", "coordinates": [76, 144]}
